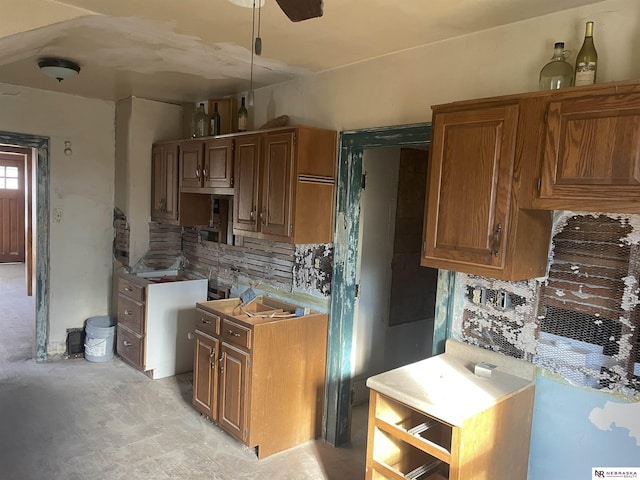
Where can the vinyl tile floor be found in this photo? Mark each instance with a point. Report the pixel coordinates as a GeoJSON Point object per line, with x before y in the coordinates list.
{"type": "Point", "coordinates": [77, 420]}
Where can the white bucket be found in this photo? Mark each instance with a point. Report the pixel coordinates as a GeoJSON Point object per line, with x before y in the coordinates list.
{"type": "Point", "coordinates": [98, 339]}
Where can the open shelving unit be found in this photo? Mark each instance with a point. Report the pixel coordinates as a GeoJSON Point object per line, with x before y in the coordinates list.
{"type": "Point", "coordinates": [449, 426]}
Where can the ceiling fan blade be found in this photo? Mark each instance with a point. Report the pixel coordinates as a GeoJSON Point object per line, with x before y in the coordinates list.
{"type": "Point", "coordinates": [298, 10]}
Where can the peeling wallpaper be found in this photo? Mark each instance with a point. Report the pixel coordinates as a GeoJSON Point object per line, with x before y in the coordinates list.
{"type": "Point", "coordinates": [587, 332]}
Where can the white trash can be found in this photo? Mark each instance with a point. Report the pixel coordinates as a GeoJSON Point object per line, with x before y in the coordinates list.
{"type": "Point", "coordinates": [99, 339]}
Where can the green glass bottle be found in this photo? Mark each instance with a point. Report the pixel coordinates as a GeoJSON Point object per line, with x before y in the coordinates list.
{"type": "Point", "coordinates": [215, 121]}
{"type": "Point", "coordinates": [243, 116]}
{"type": "Point", "coordinates": [587, 60]}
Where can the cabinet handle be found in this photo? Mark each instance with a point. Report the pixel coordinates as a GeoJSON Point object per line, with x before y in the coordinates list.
{"type": "Point", "coordinates": [128, 312]}
{"type": "Point", "coordinates": [212, 358]}
{"type": "Point", "coordinates": [496, 239]}
{"type": "Point", "coordinates": [205, 321]}
{"type": "Point", "coordinates": [127, 344]}
{"type": "Point", "coordinates": [198, 172]}
{"type": "Point", "coordinates": [263, 215]}
{"type": "Point", "coordinates": [252, 215]}
{"type": "Point", "coordinates": [233, 334]}
{"type": "Point", "coordinates": [128, 289]}
{"type": "Point", "coordinates": [221, 363]}
{"type": "Point", "coordinates": [204, 174]}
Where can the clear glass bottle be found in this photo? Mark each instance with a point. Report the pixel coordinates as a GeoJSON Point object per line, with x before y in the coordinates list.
{"type": "Point", "coordinates": [242, 117]}
{"type": "Point", "coordinates": [587, 59]}
{"type": "Point", "coordinates": [558, 73]}
{"type": "Point", "coordinates": [215, 120]}
{"type": "Point", "coordinates": [200, 122]}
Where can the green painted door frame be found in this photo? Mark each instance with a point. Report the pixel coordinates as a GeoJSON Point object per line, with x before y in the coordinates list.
{"type": "Point", "coordinates": [343, 288]}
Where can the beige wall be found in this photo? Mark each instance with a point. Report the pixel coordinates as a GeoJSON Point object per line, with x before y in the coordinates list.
{"type": "Point", "coordinates": [400, 88]}
{"type": "Point", "coordinates": [82, 186]}
{"type": "Point", "coordinates": [140, 123]}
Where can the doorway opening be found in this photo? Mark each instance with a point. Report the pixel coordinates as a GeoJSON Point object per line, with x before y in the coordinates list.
{"type": "Point", "coordinates": [395, 308]}
{"type": "Point", "coordinates": [337, 426]}
{"type": "Point", "coordinates": [34, 152]}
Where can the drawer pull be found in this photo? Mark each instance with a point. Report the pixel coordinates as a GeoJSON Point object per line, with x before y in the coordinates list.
{"type": "Point", "coordinates": [128, 312]}
{"type": "Point", "coordinates": [206, 322]}
{"type": "Point", "coordinates": [127, 344]}
{"type": "Point", "coordinates": [233, 334]}
{"type": "Point", "coordinates": [128, 289]}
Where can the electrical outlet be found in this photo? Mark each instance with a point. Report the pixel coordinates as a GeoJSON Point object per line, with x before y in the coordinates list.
{"type": "Point", "coordinates": [479, 295]}
{"type": "Point", "coordinates": [57, 215]}
{"type": "Point", "coordinates": [316, 264]}
{"type": "Point", "coordinates": [503, 300]}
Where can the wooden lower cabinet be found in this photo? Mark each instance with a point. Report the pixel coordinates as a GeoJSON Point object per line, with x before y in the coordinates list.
{"type": "Point", "coordinates": [205, 374]}
{"type": "Point", "coordinates": [154, 323]}
{"type": "Point", "coordinates": [259, 371]}
{"type": "Point", "coordinates": [233, 385]}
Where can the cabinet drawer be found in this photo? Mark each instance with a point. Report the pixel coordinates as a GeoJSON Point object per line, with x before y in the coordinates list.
{"type": "Point", "coordinates": [130, 347]}
{"type": "Point", "coordinates": [131, 290]}
{"type": "Point", "coordinates": [131, 314]}
{"type": "Point", "coordinates": [207, 322]}
{"type": "Point", "coordinates": [235, 333]}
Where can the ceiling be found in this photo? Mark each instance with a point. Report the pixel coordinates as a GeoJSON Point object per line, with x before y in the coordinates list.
{"type": "Point", "coordinates": [188, 50]}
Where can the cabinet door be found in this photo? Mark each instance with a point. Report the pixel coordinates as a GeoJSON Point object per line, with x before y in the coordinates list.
{"type": "Point", "coordinates": [164, 183]}
{"type": "Point", "coordinates": [469, 191]}
{"type": "Point", "coordinates": [191, 165]}
{"type": "Point", "coordinates": [218, 164]}
{"type": "Point", "coordinates": [205, 375]}
{"type": "Point", "coordinates": [234, 391]}
{"type": "Point", "coordinates": [246, 171]}
{"type": "Point", "coordinates": [277, 185]}
{"type": "Point", "coordinates": [591, 157]}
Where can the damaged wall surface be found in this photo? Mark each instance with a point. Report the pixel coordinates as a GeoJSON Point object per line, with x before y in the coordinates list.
{"type": "Point", "coordinates": [280, 268]}
{"type": "Point", "coordinates": [580, 326]}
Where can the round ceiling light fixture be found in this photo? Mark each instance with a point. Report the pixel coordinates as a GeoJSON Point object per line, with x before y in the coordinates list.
{"type": "Point", "coordinates": [58, 68]}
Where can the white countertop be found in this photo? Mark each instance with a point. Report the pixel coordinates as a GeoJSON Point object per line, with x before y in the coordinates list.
{"type": "Point", "coordinates": [445, 386]}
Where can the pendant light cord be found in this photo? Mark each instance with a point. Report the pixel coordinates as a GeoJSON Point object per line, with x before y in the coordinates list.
{"type": "Point", "coordinates": [253, 31]}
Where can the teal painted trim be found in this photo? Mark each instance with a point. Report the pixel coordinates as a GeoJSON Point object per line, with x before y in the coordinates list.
{"type": "Point", "coordinates": [417, 134]}
{"type": "Point", "coordinates": [444, 310]}
{"type": "Point", "coordinates": [41, 198]}
{"type": "Point", "coordinates": [337, 419]}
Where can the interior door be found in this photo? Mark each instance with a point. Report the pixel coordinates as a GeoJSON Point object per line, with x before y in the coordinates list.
{"type": "Point", "coordinates": [12, 199]}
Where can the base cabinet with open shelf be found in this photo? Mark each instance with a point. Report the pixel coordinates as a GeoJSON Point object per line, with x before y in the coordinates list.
{"type": "Point", "coordinates": [436, 420]}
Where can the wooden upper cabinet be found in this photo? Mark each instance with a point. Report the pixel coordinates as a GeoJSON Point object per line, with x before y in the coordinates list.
{"type": "Point", "coordinates": [473, 222]}
{"type": "Point", "coordinates": [246, 174]}
{"type": "Point", "coordinates": [164, 182]}
{"type": "Point", "coordinates": [473, 156]}
{"type": "Point", "coordinates": [591, 158]}
{"type": "Point", "coordinates": [218, 164]}
{"type": "Point", "coordinates": [285, 185]}
{"type": "Point", "coordinates": [275, 213]}
{"type": "Point", "coordinates": [191, 164]}
{"type": "Point", "coordinates": [206, 166]}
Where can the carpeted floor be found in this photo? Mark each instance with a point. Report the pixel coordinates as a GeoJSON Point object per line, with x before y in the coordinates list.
{"type": "Point", "coordinates": [76, 420]}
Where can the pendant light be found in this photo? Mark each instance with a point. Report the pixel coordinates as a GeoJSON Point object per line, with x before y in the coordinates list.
{"type": "Point", "coordinates": [253, 49]}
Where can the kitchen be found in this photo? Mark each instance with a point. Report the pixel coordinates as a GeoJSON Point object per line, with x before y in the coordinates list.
{"type": "Point", "coordinates": [504, 60]}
